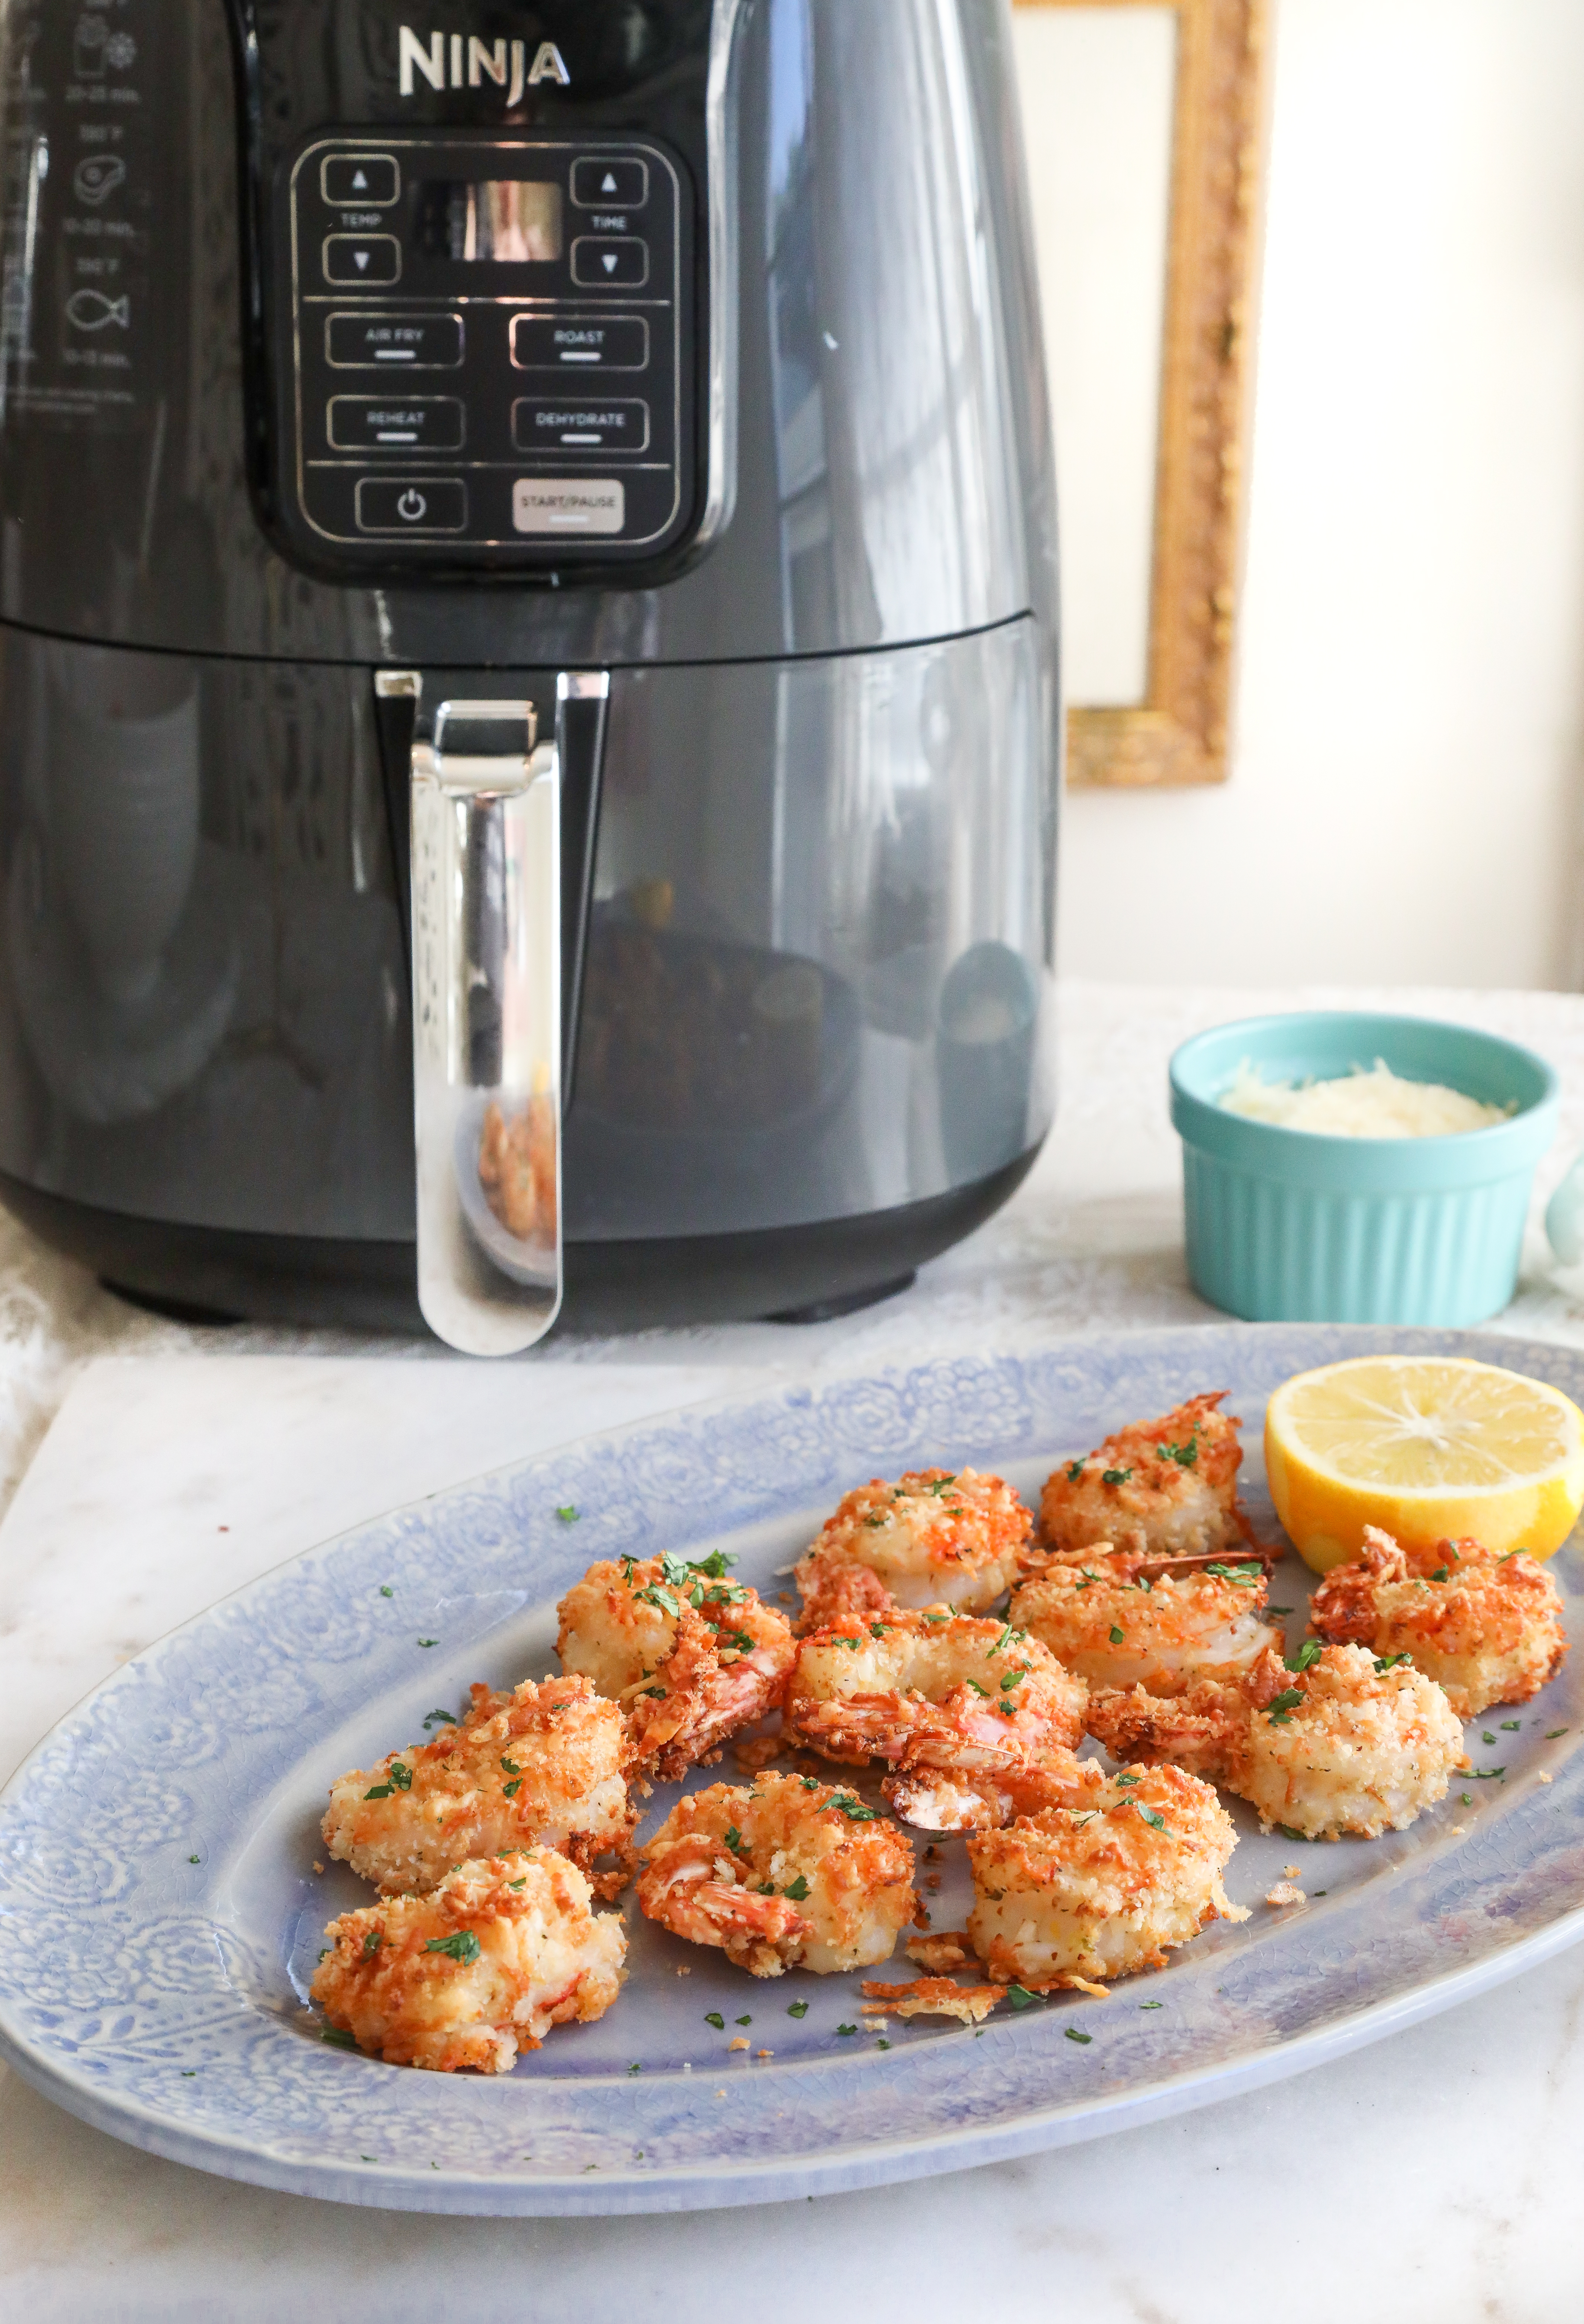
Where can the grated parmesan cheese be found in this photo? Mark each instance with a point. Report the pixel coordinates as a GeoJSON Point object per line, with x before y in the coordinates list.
{"type": "Point", "coordinates": [1373, 1104]}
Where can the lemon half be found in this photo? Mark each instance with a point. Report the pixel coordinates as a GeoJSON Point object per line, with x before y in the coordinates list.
{"type": "Point", "coordinates": [1427, 1447]}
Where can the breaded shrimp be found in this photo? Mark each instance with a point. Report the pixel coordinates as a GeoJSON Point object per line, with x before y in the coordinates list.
{"type": "Point", "coordinates": [543, 1764]}
{"type": "Point", "coordinates": [1104, 1886]}
{"type": "Point", "coordinates": [934, 1696]}
{"type": "Point", "coordinates": [839, 1597]}
{"type": "Point", "coordinates": [481, 1967]}
{"type": "Point", "coordinates": [1165, 1488]}
{"type": "Point", "coordinates": [790, 1874]}
{"type": "Point", "coordinates": [1348, 1744]}
{"type": "Point", "coordinates": [1118, 1631]}
{"type": "Point", "coordinates": [935, 1537]}
{"type": "Point", "coordinates": [1486, 1628]}
{"type": "Point", "coordinates": [690, 1655]}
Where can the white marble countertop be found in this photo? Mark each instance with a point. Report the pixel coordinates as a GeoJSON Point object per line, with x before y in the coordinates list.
{"type": "Point", "coordinates": [1430, 2175]}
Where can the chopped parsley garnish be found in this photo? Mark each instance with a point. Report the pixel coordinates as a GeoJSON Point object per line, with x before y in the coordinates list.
{"type": "Point", "coordinates": [1157, 1822]}
{"type": "Point", "coordinates": [463, 1947]}
{"type": "Point", "coordinates": [341, 2041]}
{"type": "Point", "coordinates": [400, 1779]}
{"type": "Point", "coordinates": [440, 1717]}
{"type": "Point", "coordinates": [1269, 1609]}
{"type": "Point", "coordinates": [1074, 2036]}
{"type": "Point", "coordinates": [766, 1887]}
{"type": "Point", "coordinates": [1126, 1779]}
{"type": "Point", "coordinates": [192, 1859]}
{"type": "Point", "coordinates": [518, 1884]}
{"type": "Point", "coordinates": [429, 1642]}
{"type": "Point", "coordinates": [940, 1485]}
{"type": "Point", "coordinates": [797, 1891]}
{"type": "Point", "coordinates": [1383, 1662]}
{"type": "Point", "coordinates": [1115, 1476]}
{"type": "Point", "coordinates": [810, 1783]}
{"type": "Point", "coordinates": [977, 1687]}
{"type": "Point", "coordinates": [1115, 1634]}
{"type": "Point", "coordinates": [745, 2021]}
{"type": "Point", "coordinates": [1013, 1678]}
{"type": "Point", "coordinates": [660, 1693]}
{"type": "Point", "coordinates": [713, 2018]}
{"type": "Point", "coordinates": [1308, 1652]}
{"type": "Point", "coordinates": [1075, 1473]}
{"type": "Point", "coordinates": [1466, 1798]}
{"type": "Point", "coordinates": [740, 1639]}
{"type": "Point", "coordinates": [655, 1595]}
{"type": "Point", "coordinates": [847, 2029]}
{"type": "Point", "coordinates": [1552, 1732]}
{"type": "Point", "coordinates": [568, 1514]}
{"type": "Point", "coordinates": [1511, 1726]}
{"type": "Point", "coordinates": [629, 1567]}
{"type": "Point", "coordinates": [1019, 1997]}
{"type": "Point", "coordinates": [876, 1629]}
{"type": "Point", "coordinates": [509, 1791]}
{"type": "Point", "coordinates": [1440, 1574]}
{"type": "Point", "coordinates": [385, 1591]}
{"type": "Point", "coordinates": [1152, 2005]}
{"type": "Point", "coordinates": [853, 1808]}
{"type": "Point", "coordinates": [882, 2043]}
{"type": "Point", "coordinates": [1185, 1455]}
{"type": "Point", "coordinates": [1288, 1832]}
{"type": "Point", "coordinates": [372, 1940]}
{"type": "Point", "coordinates": [1487, 1737]}
{"type": "Point", "coordinates": [1488, 1775]}
{"type": "Point", "coordinates": [682, 1572]}
{"type": "Point", "coordinates": [734, 1841]}
{"type": "Point", "coordinates": [632, 2069]}
{"type": "Point", "coordinates": [510, 1765]}
{"type": "Point", "coordinates": [1244, 1574]}
{"type": "Point", "coordinates": [1281, 1711]}
{"type": "Point", "coordinates": [797, 2008]}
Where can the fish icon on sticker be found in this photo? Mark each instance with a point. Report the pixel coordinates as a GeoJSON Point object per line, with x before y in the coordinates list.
{"type": "Point", "coordinates": [90, 310]}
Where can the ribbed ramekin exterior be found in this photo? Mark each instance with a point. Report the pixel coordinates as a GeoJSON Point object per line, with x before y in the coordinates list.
{"type": "Point", "coordinates": [1272, 1252]}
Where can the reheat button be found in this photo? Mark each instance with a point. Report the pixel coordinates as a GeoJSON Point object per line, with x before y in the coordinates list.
{"type": "Point", "coordinates": [370, 423]}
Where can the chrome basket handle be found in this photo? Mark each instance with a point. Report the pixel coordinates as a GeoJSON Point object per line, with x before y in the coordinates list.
{"type": "Point", "coordinates": [488, 1036]}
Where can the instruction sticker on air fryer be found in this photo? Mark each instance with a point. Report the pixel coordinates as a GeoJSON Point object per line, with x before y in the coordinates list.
{"type": "Point", "coordinates": [569, 504]}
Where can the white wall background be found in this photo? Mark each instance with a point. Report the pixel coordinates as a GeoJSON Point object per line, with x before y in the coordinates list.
{"type": "Point", "coordinates": [1407, 801]}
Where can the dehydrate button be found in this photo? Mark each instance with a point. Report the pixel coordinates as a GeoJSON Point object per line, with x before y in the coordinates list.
{"type": "Point", "coordinates": [414, 505]}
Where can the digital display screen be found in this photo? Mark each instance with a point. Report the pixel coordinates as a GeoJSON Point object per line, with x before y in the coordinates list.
{"type": "Point", "coordinates": [507, 221]}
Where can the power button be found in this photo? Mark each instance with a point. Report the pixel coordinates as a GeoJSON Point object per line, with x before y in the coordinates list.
{"type": "Point", "coordinates": [416, 505]}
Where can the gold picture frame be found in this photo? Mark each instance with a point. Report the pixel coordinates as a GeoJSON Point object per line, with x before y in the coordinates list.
{"type": "Point", "coordinates": [1179, 733]}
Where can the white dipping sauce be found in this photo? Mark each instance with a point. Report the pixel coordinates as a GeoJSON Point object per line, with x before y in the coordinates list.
{"type": "Point", "coordinates": [1361, 1104]}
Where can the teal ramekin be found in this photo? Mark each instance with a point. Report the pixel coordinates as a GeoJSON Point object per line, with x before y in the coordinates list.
{"type": "Point", "coordinates": [1283, 1226]}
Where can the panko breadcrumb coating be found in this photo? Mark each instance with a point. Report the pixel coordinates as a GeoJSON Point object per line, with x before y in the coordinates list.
{"type": "Point", "coordinates": [936, 1537]}
{"type": "Point", "coordinates": [1102, 1887]}
{"type": "Point", "coordinates": [789, 1874]}
{"type": "Point", "coordinates": [690, 1655]}
{"type": "Point", "coordinates": [1486, 1628]}
{"type": "Point", "coordinates": [934, 1696]}
{"type": "Point", "coordinates": [1165, 1488]}
{"type": "Point", "coordinates": [1344, 1746]}
{"type": "Point", "coordinates": [1116, 1626]}
{"type": "Point", "coordinates": [543, 1764]}
{"type": "Point", "coordinates": [931, 1997]}
{"type": "Point", "coordinates": [484, 1966]}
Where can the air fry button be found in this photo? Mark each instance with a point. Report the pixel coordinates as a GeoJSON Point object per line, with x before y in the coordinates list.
{"type": "Point", "coordinates": [416, 505]}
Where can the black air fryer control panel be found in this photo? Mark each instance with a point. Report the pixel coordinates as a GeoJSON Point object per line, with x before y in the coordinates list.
{"type": "Point", "coordinates": [489, 355]}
